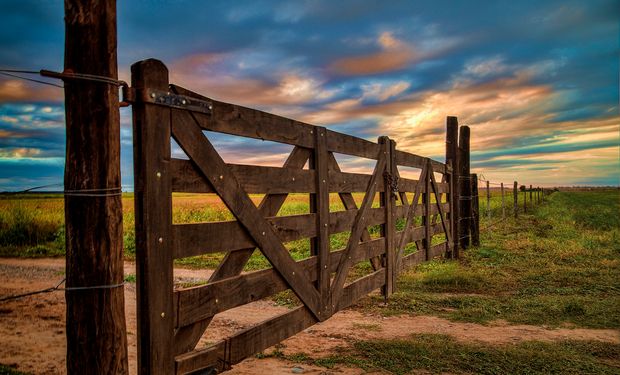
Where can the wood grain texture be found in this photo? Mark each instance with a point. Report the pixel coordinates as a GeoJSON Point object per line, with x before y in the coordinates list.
{"type": "Point", "coordinates": [153, 210]}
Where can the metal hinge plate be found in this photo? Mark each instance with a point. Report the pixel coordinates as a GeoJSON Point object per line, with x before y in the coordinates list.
{"type": "Point", "coordinates": [168, 99]}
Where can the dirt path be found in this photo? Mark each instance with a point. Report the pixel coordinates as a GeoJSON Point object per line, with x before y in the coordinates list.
{"type": "Point", "coordinates": [32, 334]}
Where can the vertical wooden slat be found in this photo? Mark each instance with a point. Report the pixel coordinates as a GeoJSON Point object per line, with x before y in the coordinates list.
{"type": "Point", "coordinates": [465, 197]}
{"type": "Point", "coordinates": [488, 201]}
{"type": "Point", "coordinates": [153, 210]}
{"type": "Point", "coordinates": [503, 202]}
{"type": "Point", "coordinates": [426, 220]}
{"type": "Point", "coordinates": [475, 211]}
{"type": "Point", "coordinates": [389, 228]}
{"type": "Point", "coordinates": [321, 159]}
{"type": "Point", "coordinates": [515, 196]}
{"type": "Point", "coordinates": [452, 159]}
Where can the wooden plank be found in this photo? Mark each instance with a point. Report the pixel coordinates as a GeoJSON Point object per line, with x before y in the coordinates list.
{"type": "Point", "coordinates": [389, 227]}
{"type": "Point", "coordinates": [418, 233]}
{"type": "Point", "coordinates": [322, 221]}
{"type": "Point", "coordinates": [426, 219]}
{"type": "Point", "coordinates": [204, 301]}
{"type": "Point", "coordinates": [253, 179]}
{"type": "Point", "coordinates": [361, 287]}
{"type": "Point", "coordinates": [420, 256]}
{"type": "Point", "coordinates": [415, 161]}
{"type": "Point", "coordinates": [343, 182]}
{"type": "Point", "coordinates": [189, 136]}
{"type": "Point", "coordinates": [186, 338]}
{"type": "Point", "coordinates": [237, 120]}
{"type": "Point", "coordinates": [452, 149]}
{"type": "Point", "coordinates": [153, 210]}
{"type": "Point", "coordinates": [356, 232]}
{"type": "Point", "coordinates": [203, 238]}
{"type": "Point", "coordinates": [252, 340]}
{"type": "Point", "coordinates": [350, 145]}
{"type": "Point", "coordinates": [408, 185]}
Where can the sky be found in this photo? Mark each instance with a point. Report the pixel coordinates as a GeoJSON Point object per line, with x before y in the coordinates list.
{"type": "Point", "coordinates": [536, 81]}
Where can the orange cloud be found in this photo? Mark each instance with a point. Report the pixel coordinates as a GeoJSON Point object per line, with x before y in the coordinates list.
{"type": "Point", "coordinates": [394, 55]}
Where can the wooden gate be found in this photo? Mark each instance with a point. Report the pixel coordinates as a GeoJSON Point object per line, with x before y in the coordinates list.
{"type": "Point", "coordinates": [171, 321]}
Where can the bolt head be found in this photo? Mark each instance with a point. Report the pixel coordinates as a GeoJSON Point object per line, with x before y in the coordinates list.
{"type": "Point", "coordinates": [160, 240]}
{"type": "Point", "coordinates": [163, 315]}
{"type": "Point", "coordinates": [152, 95]}
{"type": "Point", "coordinates": [183, 101]}
{"type": "Point", "coordinates": [158, 174]}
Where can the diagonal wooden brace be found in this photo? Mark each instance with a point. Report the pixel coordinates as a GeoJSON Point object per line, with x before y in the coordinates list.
{"type": "Point", "coordinates": [410, 215]}
{"type": "Point", "coordinates": [356, 232]}
{"type": "Point", "coordinates": [191, 139]}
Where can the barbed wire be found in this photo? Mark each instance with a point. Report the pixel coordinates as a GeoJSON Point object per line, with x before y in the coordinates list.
{"type": "Point", "coordinates": [57, 288]}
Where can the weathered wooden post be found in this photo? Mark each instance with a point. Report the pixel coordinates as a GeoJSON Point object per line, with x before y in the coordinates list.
{"type": "Point", "coordinates": [488, 202]}
{"type": "Point", "coordinates": [503, 203]}
{"type": "Point", "coordinates": [95, 320]}
{"type": "Point", "coordinates": [153, 217]}
{"type": "Point", "coordinates": [452, 159]}
{"type": "Point", "coordinates": [515, 196]}
{"type": "Point", "coordinates": [426, 219]}
{"type": "Point", "coordinates": [465, 187]}
{"type": "Point", "coordinates": [475, 211]}
{"type": "Point", "coordinates": [531, 199]}
{"type": "Point", "coordinates": [524, 200]}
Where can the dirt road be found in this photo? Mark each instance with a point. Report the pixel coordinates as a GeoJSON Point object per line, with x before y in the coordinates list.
{"type": "Point", "coordinates": [32, 334]}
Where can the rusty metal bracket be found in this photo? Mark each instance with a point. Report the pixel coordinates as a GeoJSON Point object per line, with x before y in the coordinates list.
{"type": "Point", "coordinates": [166, 98]}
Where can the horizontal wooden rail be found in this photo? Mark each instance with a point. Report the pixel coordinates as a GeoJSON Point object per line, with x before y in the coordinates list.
{"type": "Point", "coordinates": [224, 236]}
{"type": "Point", "coordinates": [204, 301]}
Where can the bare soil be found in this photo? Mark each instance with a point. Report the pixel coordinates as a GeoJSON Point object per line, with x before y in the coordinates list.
{"type": "Point", "coordinates": [32, 329]}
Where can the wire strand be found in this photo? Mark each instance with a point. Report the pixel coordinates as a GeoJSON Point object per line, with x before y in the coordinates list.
{"type": "Point", "coordinates": [3, 72]}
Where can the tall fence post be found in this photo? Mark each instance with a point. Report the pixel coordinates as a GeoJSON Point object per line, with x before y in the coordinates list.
{"type": "Point", "coordinates": [515, 196]}
{"type": "Point", "coordinates": [95, 319]}
{"type": "Point", "coordinates": [475, 211]}
{"type": "Point", "coordinates": [452, 159]}
{"type": "Point", "coordinates": [465, 188]}
{"type": "Point", "coordinates": [153, 217]}
{"type": "Point", "coordinates": [488, 201]}
{"type": "Point", "coordinates": [503, 202]}
{"type": "Point", "coordinates": [426, 219]}
{"type": "Point", "coordinates": [531, 199]}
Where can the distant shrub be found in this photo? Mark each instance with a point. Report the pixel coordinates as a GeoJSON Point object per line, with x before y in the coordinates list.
{"type": "Point", "coordinates": [20, 227]}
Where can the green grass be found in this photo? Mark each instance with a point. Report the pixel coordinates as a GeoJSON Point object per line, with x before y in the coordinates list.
{"type": "Point", "coordinates": [7, 370]}
{"type": "Point", "coordinates": [558, 265]}
{"type": "Point", "coordinates": [442, 354]}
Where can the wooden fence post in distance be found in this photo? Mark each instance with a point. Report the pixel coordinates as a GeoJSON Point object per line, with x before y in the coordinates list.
{"type": "Point", "coordinates": [95, 320]}
{"type": "Point", "coordinates": [475, 211]}
{"type": "Point", "coordinates": [515, 194]}
{"type": "Point", "coordinates": [503, 202]}
{"type": "Point", "coordinates": [488, 201]}
{"type": "Point", "coordinates": [465, 187]}
{"type": "Point", "coordinates": [452, 159]}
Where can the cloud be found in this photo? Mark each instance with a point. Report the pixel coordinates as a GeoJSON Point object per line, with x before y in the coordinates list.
{"type": "Point", "coordinates": [393, 55]}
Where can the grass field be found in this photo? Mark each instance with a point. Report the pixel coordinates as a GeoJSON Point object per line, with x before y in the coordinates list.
{"type": "Point", "coordinates": [556, 266]}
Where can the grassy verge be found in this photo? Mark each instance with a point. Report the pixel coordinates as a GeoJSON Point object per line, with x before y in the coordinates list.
{"type": "Point", "coordinates": [559, 265]}
{"type": "Point", "coordinates": [442, 354]}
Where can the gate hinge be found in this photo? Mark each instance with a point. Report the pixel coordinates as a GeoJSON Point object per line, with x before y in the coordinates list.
{"type": "Point", "coordinates": [166, 98]}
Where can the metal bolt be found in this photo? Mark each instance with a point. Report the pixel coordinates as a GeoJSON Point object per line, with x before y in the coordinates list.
{"type": "Point", "coordinates": [323, 180]}
{"type": "Point", "coordinates": [325, 224]}
{"type": "Point", "coordinates": [311, 132]}
{"type": "Point", "coordinates": [293, 178]}
{"type": "Point", "coordinates": [321, 134]}
{"type": "Point", "coordinates": [161, 240]}
{"type": "Point", "coordinates": [217, 300]}
{"type": "Point", "coordinates": [183, 101]}
{"type": "Point", "coordinates": [263, 233]}
{"type": "Point", "coordinates": [326, 266]}
{"type": "Point", "coordinates": [210, 107]}
{"type": "Point", "coordinates": [293, 273]}
{"type": "Point", "coordinates": [158, 174]}
{"type": "Point", "coordinates": [152, 95]}
{"type": "Point", "coordinates": [163, 315]}
{"type": "Point", "coordinates": [221, 177]}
